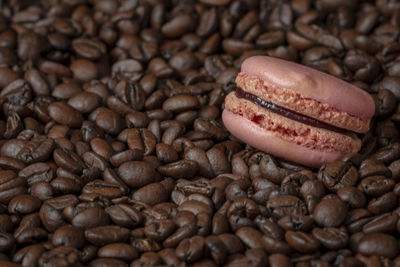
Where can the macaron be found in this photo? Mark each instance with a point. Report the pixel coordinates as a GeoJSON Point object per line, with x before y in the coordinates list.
{"type": "Point", "coordinates": [295, 112]}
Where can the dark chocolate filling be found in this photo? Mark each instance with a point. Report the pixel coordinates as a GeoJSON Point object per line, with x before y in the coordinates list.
{"type": "Point", "coordinates": [293, 115]}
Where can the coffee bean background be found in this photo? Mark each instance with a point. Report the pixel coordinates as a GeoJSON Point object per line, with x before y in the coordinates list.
{"type": "Point", "coordinates": [113, 152]}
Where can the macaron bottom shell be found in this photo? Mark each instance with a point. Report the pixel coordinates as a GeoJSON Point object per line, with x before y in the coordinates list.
{"type": "Point", "coordinates": [268, 141]}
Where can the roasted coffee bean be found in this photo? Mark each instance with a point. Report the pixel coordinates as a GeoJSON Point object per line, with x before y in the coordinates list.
{"type": "Point", "coordinates": [302, 242]}
{"type": "Point", "coordinates": [51, 211]}
{"type": "Point", "coordinates": [191, 249]}
{"type": "Point", "coordinates": [84, 102]}
{"type": "Point", "coordinates": [145, 245]}
{"type": "Point", "coordinates": [216, 249]}
{"type": "Point", "coordinates": [180, 169]}
{"type": "Point", "coordinates": [120, 251]}
{"type": "Point", "coordinates": [65, 114]}
{"type": "Point", "coordinates": [124, 215]}
{"type": "Point", "coordinates": [108, 120]}
{"type": "Point", "coordinates": [68, 160]}
{"type": "Point", "coordinates": [330, 212]}
{"type": "Point", "coordinates": [281, 206]}
{"type": "Point", "coordinates": [69, 235]}
{"type": "Point", "coordinates": [151, 194]}
{"type": "Point", "coordinates": [276, 260]}
{"type": "Point", "coordinates": [337, 175]}
{"type": "Point", "coordinates": [382, 204]}
{"type": "Point", "coordinates": [296, 223]}
{"type": "Point", "coordinates": [107, 262]}
{"type": "Point", "coordinates": [384, 223]}
{"type": "Point", "coordinates": [38, 149]}
{"type": "Point", "coordinates": [90, 217]}
{"type": "Point", "coordinates": [103, 235]}
{"type": "Point", "coordinates": [250, 237]}
{"type": "Point", "coordinates": [60, 256]}
{"type": "Point", "coordinates": [10, 186]}
{"type": "Point", "coordinates": [178, 26]}
{"type": "Point", "coordinates": [23, 204]}
{"type": "Point", "coordinates": [159, 230]}
{"type": "Point", "coordinates": [196, 207]}
{"type": "Point", "coordinates": [331, 238]}
{"type": "Point", "coordinates": [29, 255]}
{"type": "Point", "coordinates": [378, 244]}
{"type": "Point", "coordinates": [376, 185]}
{"type": "Point", "coordinates": [136, 173]}
{"type": "Point", "coordinates": [127, 155]}
{"type": "Point", "coordinates": [7, 242]}
{"type": "Point", "coordinates": [352, 196]}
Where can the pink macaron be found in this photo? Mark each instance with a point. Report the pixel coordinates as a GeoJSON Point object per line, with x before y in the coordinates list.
{"type": "Point", "coordinates": [295, 112]}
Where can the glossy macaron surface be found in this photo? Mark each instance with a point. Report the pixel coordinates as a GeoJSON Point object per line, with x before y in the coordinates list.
{"type": "Point", "coordinates": [312, 84]}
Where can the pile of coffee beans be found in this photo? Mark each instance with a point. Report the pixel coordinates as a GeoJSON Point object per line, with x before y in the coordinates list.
{"type": "Point", "coordinates": [113, 152]}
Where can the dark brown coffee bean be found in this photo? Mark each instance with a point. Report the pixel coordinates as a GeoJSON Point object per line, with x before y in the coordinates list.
{"type": "Point", "coordinates": [384, 223]}
{"type": "Point", "coordinates": [382, 204]}
{"type": "Point", "coordinates": [38, 149]}
{"type": "Point", "coordinates": [69, 235]}
{"type": "Point", "coordinates": [10, 186]}
{"type": "Point", "coordinates": [91, 217]}
{"type": "Point", "coordinates": [23, 204]}
{"type": "Point", "coordinates": [84, 70]}
{"type": "Point", "coordinates": [68, 160]}
{"type": "Point", "coordinates": [182, 233]}
{"type": "Point", "coordinates": [282, 260]}
{"type": "Point", "coordinates": [180, 169]}
{"type": "Point", "coordinates": [7, 242]}
{"type": "Point", "coordinates": [29, 255]}
{"type": "Point", "coordinates": [191, 249]}
{"type": "Point", "coordinates": [84, 102]}
{"type": "Point", "coordinates": [159, 230]}
{"type": "Point", "coordinates": [178, 26]}
{"type": "Point", "coordinates": [103, 235]}
{"type": "Point", "coordinates": [330, 212]}
{"type": "Point", "coordinates": [88, 48]}
{"type": "Point", "coordinates": [337, 175]}
{"type": "Point", "coordinates": [376, 185]}
{"type": "Point", "coordinates": [136, 173]}
{"type": "Point", "coordinates": [120, 251]}
{"type": "Point", "coordinates": [250, 237]}
{"type": "Point", "coordinates": [215, 3]}
{"type": "Point", "coordinates": [195, 207]}
{"type": "Point", "coordinates": [103, 188]}
{"type": "Point", "coordinates": [151, 194]}
{"type": "Point", "coordinates": [235, 46]}
{"type": "Point", "coordinates": [65, 114]}
{"type": "Point", "coordinates": [272, 245]}
{"type": "Point", "coordinates": [37, 172]}
{"type": "Point", "coordinates": [352, 196]}
{"type": "Point", "coordinates": [296, 223]}
{"type": "Point", "coordinates": [179, 103]}
{"type": "Point", "coordinates": [281, 206]}
{"type": "Point", "coordinates": [60, 255]}
{"type": "Point", "coordinates": [109, 121]}
{"type": "Point", "coordinates": [331, 238]}
{"type": "Point", "coordinates": [107, 262]}
{"type": "Point", "coordinates": [124, 215]}
{"type": "Point", "coordinates": [378, 244]}
{"type": "Point", "coordinates": [128, 155]}
{"type": "Point", "coordinates": [208, 22]}
{"type": "Point", "coordinates": [302, 242]}
{"type": "Point", "coordinates": [166, 153]}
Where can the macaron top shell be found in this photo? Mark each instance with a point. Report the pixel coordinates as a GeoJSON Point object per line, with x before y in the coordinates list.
{"type": "Point", "coordinates": [311, 83]}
